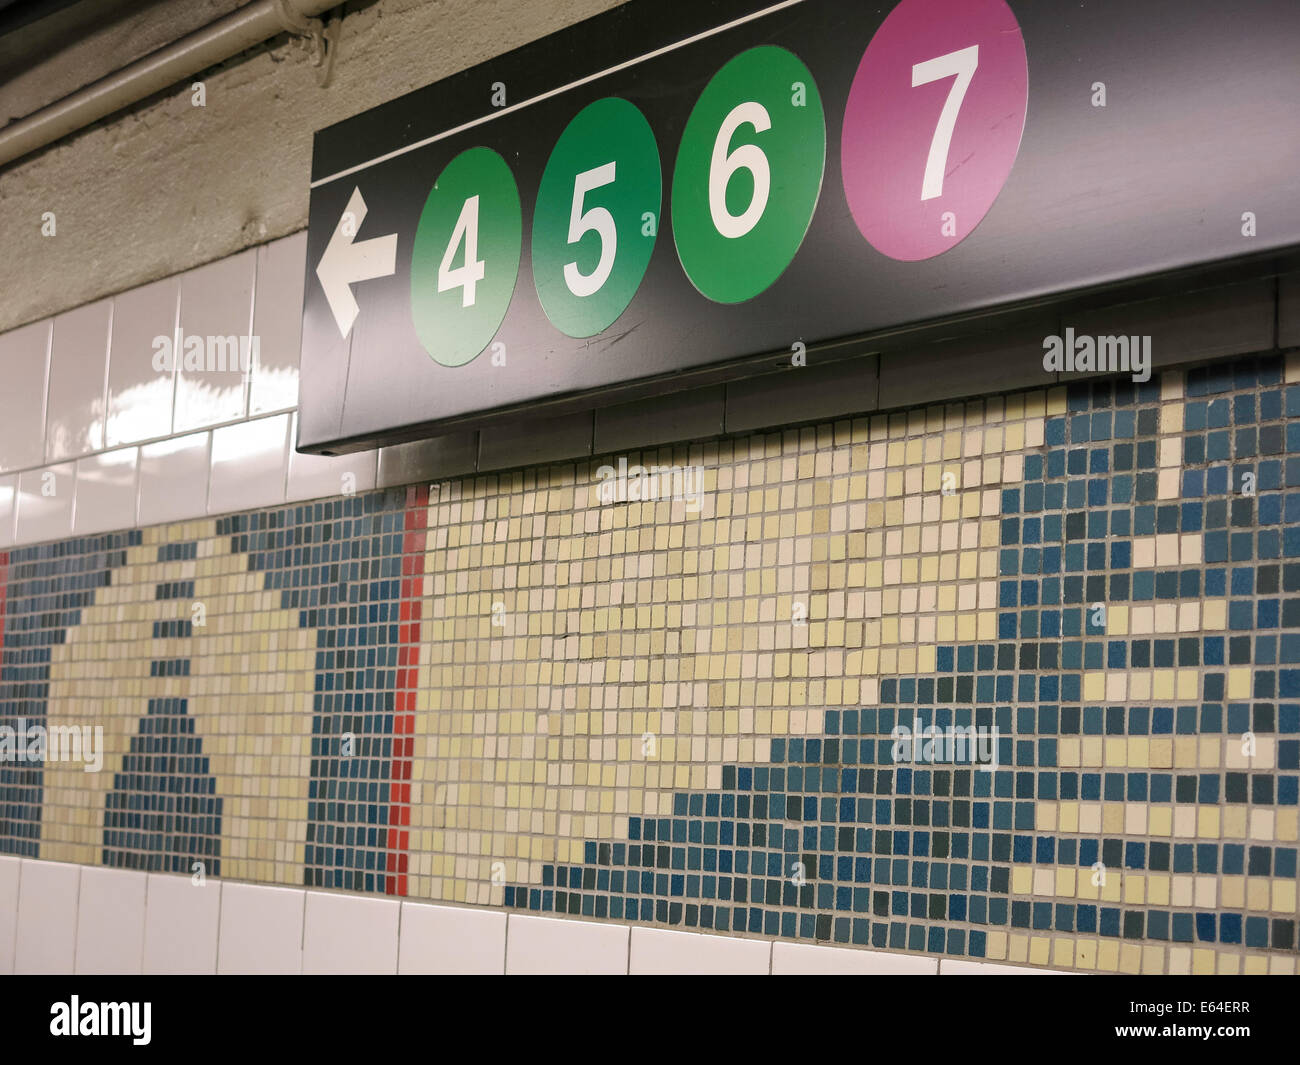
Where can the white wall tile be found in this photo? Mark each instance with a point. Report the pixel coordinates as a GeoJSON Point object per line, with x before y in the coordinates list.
{"type": "Point", "coordinates": [47, 918]}
{"type": "Point", "coordinates": [180, 925]}
{"type": "Point", "coordinates": [106, 491]}
{"type": "Point", "coordinates": [25, 358]}
{"type": "Point", "coordinates": [78, 377]}
{"type": "Point", "coordinates": [277, 323]}
{"type": "Point", "coordinates": [350, 934]}
{"type": "Point", "coordinates": [963, 967]}
{"type": "Point", "coordinates": [110, 921]}
{"type": "Point", "coordinates": [8, 508]}
{"type": "Point", "coordinates": [174, 479]}
{"type": "Point", "coordinates": [10, 871]}
{"type": "Point", "coordinates": [318, 476]}
{"type": "Point", "coordinates": [452, 940]}
{"type": "Point", "coordinates": [807, 959]}
{"type": "Point", "coordinates": [216, 302]}
{"type": "Point", "coordinates": [551, 946]}
{"type": "Point", "coordinates": [45, 500]}
{"type": "Point", "coordinates": [261, 929]}
{"type": "Point", "coordinates": [661, 952]}
{"type": "Point", "coordinates": [248, 464]}
{"type": "Point", "coordinates": [140, 397]}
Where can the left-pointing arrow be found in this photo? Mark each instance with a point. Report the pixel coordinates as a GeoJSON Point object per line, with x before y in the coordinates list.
{"type": "Point", "coordinates": [347, 261]}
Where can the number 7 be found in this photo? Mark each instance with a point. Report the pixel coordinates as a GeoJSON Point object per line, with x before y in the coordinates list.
{"type": "Point", "coordinates": [960, 64]}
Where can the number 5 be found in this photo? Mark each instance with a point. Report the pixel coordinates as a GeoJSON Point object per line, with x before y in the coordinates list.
{"type": "Point", "coordinates": [598, 219]}
{"type": "Point", "coordinates": [960, 64]}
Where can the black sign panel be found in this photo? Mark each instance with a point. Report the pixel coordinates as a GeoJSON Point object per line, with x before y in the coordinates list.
{"type": "Point", "coordinates": [675, 186]}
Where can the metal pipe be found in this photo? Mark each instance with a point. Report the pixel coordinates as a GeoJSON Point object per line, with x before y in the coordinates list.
{"type": "Point", "coordinates": [214, 43]}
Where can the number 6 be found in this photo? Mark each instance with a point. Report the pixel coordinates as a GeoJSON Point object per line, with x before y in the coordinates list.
{"type": "Point", "coordinates": [747, 157]}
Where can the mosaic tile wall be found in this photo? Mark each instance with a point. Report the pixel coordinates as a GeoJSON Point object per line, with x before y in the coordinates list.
{"type": "Point", "coordinates": [502, 690]}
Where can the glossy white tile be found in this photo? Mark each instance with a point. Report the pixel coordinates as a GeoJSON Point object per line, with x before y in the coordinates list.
{"type": "Point", "coordinates": [78, 376]}
{"type": "Point", "coordinates": [277, 323]}
{"type": "Point", "coordinates": [317, 476]}
{"type": "Point", "coordinates": [110, 921]}
{"type": "Point", "coordinates": [8, 508]}
{"type": "Point", "coordinates": [45, 499]}
{"type": "Point", "coordinates": [350, 934]}
{"type": "Point", "coordinates": [551, 946]}
{"type": "Point", "coordinates": [180, 925]}
{"type": "Point", "coordinates": [10, 872]}
{"type": "Point", "coordinates": [662, 952]}
{"type": "Point", "coordinates": [216, 320]}
{"type": "Point", "coordinates": [452, 940]}
{"type": "Point", "coordinates": [25, 357]}
{"type": "Point", "coordinates": [141, 374]}
{"type": "Point", "coordinates": [47, 917]}
{"type": "Point", "coordinates": [248, 464]}
{"type": "Point", "coordinates": [807, 959]}
{"type": "Point", "coordinates": [106, 491]}
{"type": "Point", "coordinates": [261, 929]}
{"type": "Point", "coordinates": [174, 479]}
{"type": "Point", "coordinates": [963, 967]}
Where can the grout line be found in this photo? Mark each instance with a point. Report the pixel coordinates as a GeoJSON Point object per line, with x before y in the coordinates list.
{"type": "Point", "coordinates": [483, 119]}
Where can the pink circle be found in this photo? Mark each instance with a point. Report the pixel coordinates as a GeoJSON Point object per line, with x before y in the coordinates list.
{"type": "Point", "coordinates": [889, 145]}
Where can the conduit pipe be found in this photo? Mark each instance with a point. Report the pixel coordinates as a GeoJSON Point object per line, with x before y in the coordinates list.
{"type": "Point", "coordinates": [215, 43]}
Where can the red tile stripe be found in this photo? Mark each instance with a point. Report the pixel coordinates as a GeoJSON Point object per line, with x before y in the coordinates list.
{"type": "Point", "coordinates": [408, 679]}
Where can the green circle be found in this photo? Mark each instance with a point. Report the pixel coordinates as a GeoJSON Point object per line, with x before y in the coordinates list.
{"type": "Point", "coordinates": [767, 86]}
{"type": "Point", "coordinates": [476, 202]}
{"type": "Point", "coordinates": [584, 284]}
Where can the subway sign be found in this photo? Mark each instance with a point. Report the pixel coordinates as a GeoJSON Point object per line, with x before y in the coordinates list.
{"type": "Point", "coordinates": [677, 188]}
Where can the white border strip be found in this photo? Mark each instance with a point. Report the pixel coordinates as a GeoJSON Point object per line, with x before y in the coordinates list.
{"type": "Point", "coordinates": [554, 92]}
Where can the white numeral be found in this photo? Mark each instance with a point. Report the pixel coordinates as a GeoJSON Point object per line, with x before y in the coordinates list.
{"type": "Point", "coordinates": [599, 220]}
{"type": "Point", "coordinates": [466, 277]}
{"type": "Point", "coordinates": [961, 65]}
{"type": "Point", "coordinates": [747, 157]}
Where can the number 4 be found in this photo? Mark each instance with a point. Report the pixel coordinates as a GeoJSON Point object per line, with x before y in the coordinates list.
{"type": "Point", "coordinates": [466, 277]}
{"type": "Point", "coordinates": [961, 65]}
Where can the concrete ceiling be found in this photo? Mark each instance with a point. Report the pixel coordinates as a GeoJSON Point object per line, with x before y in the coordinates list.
{"type": "Point", "coordinates": [67, 45]}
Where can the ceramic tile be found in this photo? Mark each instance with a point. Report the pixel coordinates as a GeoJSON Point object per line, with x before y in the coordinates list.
{"type": "Point", "coordinates": [181, 925]}
{"type": "Point", "coordinates": [546, 946]}
{"type": "Point", "coordinates": [44, 503]}
{"type": "Point", "coordinates": [106, 491]}
{"type": "Point", "coordinates": [174, 478]}
{"type": "Point", "coordinates": [452, 940]}
{"type": "Point", "coordinates": [8, 508]}
{"type": "Point", "coordinates": [47, 918]}
{"type": "Point", "coordinates": [216, 320]}
{"type": "Point", "coordinates": [25, 355]}
{"type": "Point", "coordinates": [349, 934]}
{"type": "Point", "coordinates": [806, 959]}
{"type": "Point", "coordinates": [277, 323]}
{"type": "Point", "coordinates": [958, 967]}
{"type": "Point", "coordinates": [261, 929]}
{"type": "Point", "coordinates": [78, 371]}
{"type": "Point", "coordinates": [659, 952]}
{"type": "Point", "coordinates": [316, 476]}
{"type": "Point", "coordinates": [604, 705]}
{"type": "Point", "coordinates": [141, 363]}
{"type": "Point", "coordinates": [10, 870]}
{"type": "Point", "coordinates": [110, 922]}
{"type": "Point", "coordinates": [248, 464]}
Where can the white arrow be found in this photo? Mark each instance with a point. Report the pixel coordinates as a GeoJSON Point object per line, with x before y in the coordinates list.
{"type": "Point", "coordinates": [346, 262]}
